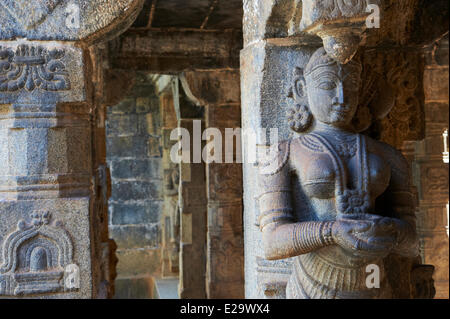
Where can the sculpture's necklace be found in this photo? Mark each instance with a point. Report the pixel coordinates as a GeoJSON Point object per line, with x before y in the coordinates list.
{"type": "Point", "coordinates": [349, 201]}
{"type": "Point", "coordinates": [347, 147]}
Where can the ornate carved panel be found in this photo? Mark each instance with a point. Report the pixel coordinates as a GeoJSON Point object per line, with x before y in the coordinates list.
{"type": "Point", "coordinates": [393, 93]}
{"type": "Point", "coordinates": [31, 67]}
{"type": "Point", "coordinates": [39, 71]}
{"type": "Point", "coordinates": [35, 257]}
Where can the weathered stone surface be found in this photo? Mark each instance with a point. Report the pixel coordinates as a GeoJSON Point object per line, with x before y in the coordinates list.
{"type": "Point", "coordinates": [226, 260]}
{"type": "Point", "coordinates": [135, 213]}
{"type": "Point", "coordinates": [213, 87]}
{"type": "Point", "coordinates": [436, 84]}
{"type": "Point", "coordinates": [265, 79]}
{"type": "Point", "coordinates": [266, 71]}
{"type": "Point", "coordinates": [63, 20]}
{"type": "Point", "coordinates": [122, 125]}
{"type": "Point", "coordinates": [268, 19]}
{"type": "Point", "coordinates": [140, 169]}
{"type": "Point", "coordinates": [121, 146]}
{"type": "Point", "coordinates": [403, 91]}
{"type": "Point", "coordinates": [170, 218]}
{"type": "Point", "coordinates": [135, 236]}
{"type": "Point", "coordinates": [339, 24]}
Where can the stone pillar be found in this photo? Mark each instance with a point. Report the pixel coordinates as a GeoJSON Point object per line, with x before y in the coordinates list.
{"type": "Point", "coordinates": [267, 61]}
{"type": "Point", "coordinates": [218, 92]}
{"type": "Point", "coordinates": [280, 36]}
{"type": "Point", "coordinates": [191, 199]}
{"type": "Point", "coordinates": [192, 223]}
{"type": "Point", "coordinates": [170, 219]}
{"type": "Point", "coordinates": [51, 231]}
{"type": "Point", "coordinates": [431, 173]}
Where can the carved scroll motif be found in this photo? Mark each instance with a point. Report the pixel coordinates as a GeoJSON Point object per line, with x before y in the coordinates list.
{"type": "Point", "coordinates": [31, 67]}
{"type": "Point", "coordinates": [35, 256]}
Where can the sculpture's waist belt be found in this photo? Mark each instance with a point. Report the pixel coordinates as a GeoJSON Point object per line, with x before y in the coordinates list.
{"type": "Point", "coordinates": [316, 278]}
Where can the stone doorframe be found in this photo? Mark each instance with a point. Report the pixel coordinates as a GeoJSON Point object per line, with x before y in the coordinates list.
{"type": "Point", "coordinates": [204, 89]}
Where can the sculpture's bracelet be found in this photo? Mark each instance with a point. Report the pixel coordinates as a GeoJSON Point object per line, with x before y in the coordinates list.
{"type": "Point", "coordinates": [309, 236]}
{"type": "Point", "coordinates": [326, 233]}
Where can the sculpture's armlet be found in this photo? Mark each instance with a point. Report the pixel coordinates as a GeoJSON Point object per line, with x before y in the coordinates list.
{"type": "Point", "coordinates": [275, 203]}
{"type": "Point", "coordinates": [282, 236]}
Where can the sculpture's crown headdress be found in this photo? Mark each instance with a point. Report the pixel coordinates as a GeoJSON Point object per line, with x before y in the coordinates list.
{"type": "Point", "coordinates": [320, 58]}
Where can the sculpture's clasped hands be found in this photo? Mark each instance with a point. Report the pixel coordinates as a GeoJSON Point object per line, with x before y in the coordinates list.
{"type": "Point", "coordinates": [366, 235]}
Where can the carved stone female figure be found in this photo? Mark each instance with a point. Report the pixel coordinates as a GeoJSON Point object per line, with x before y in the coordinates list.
{"type": "Point", "coordinates": [336, 200]}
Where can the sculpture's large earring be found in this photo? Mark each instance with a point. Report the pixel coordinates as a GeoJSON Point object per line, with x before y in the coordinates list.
{"type": "Point", "coordinates": [299, 116]}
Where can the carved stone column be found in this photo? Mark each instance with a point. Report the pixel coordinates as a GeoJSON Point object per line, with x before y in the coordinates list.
{"type": "Point", "coordinates": [193, 224]}
{"type": "Point", "coordinates": [191, 198]}
{"type": "Point", "coordinates": [430, 171]}
{"type": "Point", "coordinates": [170, 220]}
{"type": "Point", "coordinates": [267, 61]}
{"type": "Point", "coordinates": [52, 230]}
{"type": "Point", "coordinates": [280, 36]}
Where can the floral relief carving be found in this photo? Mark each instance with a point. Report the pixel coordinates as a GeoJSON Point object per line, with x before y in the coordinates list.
{"type": "Point", "coordinates": [31, 67]}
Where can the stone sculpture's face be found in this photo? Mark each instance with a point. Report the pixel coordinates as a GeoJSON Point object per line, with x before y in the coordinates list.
{"type": "Point", "coordinates": [333, 93]}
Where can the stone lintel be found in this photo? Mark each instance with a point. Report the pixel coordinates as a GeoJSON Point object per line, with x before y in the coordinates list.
{"type": "Point", "coordinates": [173, 51]}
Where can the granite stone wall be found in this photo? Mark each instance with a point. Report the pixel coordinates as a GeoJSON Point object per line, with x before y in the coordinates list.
{"type": "Point", "coordinates": [135, 159]}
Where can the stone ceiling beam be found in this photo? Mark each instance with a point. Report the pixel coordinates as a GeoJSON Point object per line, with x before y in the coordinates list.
{"type": "Point", "coordinates": [173, 51]}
